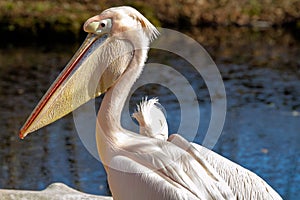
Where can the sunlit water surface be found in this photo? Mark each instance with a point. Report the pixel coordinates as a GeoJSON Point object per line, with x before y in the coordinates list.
{"type": "Point", "coordinates": [260, 69]}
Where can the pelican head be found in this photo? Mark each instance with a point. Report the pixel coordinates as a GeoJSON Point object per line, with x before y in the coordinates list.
{"type": "Point", "coordinates": [113, 36]}
{"type": "Point", "coordinates": [151, 119]}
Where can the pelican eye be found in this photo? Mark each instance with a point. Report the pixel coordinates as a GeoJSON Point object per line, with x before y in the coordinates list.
{"type": "Point", "coordinates": [99, 27]}
{"type": "Point", "coordinates": [104, 26]}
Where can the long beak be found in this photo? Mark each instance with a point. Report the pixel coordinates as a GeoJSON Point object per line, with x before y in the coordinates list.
{"type": "Point", "coordinates": [72, 88]}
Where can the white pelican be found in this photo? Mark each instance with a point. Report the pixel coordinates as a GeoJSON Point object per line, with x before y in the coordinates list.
{"type": "Point", "coordinates": [138, 167]}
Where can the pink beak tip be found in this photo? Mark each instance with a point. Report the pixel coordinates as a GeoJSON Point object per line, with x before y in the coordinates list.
{"type": "Point", "coordinates": [22, 134]}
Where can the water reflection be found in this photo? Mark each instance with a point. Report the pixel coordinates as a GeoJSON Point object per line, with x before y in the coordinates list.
{"type": "Point", "coordinates": [261, 72]}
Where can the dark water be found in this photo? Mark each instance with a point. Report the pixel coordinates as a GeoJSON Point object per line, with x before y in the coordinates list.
{"type": "Point", "coordinates": [261, 73]}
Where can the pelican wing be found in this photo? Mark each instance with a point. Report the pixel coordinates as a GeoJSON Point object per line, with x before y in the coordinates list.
{"type": "Point", "coordinates": [236, 175]}
{"type": "Point", "coordinates": [198, 177]}
{"type": "Point", "coordinates": [233, 174]}
{"type": "Point", "coordinates": [147, 186]}
{"type": "Point", "coordinates": [162, 160]}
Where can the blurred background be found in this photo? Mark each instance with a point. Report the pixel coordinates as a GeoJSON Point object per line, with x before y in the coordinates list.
{"type": "Point", "coordinates": [255, 44]}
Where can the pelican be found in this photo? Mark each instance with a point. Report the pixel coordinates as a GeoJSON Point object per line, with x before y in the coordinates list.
{"type": "Point", "coordinates": [138, 167]}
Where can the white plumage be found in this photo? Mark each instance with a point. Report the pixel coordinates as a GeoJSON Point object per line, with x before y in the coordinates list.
{"type": "Point", "coordinates": [151, 119]}
{"type": "Point", "coordinates": [244, 183]}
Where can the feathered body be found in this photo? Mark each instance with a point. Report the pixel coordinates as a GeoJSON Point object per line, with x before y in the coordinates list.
{"type": "Point", "coordinates": [243, 183]}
